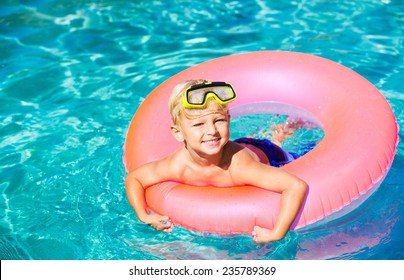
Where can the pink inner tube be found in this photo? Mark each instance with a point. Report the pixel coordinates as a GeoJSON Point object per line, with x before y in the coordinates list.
{"type": "Point", "coordinates": [345, 168]}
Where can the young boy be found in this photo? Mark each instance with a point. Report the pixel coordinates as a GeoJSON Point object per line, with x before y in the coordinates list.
{"type": "Point", "coordinates": [200, 120]}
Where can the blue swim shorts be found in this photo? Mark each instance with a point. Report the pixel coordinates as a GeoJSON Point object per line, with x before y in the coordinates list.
{"type": "Point", "coordinates": [275, 154]}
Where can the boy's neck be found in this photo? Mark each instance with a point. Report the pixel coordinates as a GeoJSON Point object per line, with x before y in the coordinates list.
{"type": "Point", "coordinates": [205, 161]}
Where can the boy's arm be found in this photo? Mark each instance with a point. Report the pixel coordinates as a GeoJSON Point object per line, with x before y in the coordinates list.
{"type": "Point", "coordinates": [292, 188]}
{"type": "Point", "coordinates": [293, 192]}
{"type": "Point", "coordinates": [135, 184]}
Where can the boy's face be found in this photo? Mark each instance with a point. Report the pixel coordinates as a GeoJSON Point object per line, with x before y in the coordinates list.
{"type": "Point", "coordinates": [205, 132]}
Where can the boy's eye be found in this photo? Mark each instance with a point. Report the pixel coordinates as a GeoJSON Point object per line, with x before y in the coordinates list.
{"type": "Point", "coordinates": [197, 124]}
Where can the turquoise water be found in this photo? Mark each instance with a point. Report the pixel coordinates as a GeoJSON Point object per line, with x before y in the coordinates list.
{"type": "Point", "coordinates": [73, 74]}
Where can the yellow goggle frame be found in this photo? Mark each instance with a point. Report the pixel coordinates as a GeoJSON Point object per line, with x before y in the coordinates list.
{"type": "Point", "coordinates": [196, 96]}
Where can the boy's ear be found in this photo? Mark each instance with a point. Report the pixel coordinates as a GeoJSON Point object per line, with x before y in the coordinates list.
{"type": "Point", "coordinates": [176, 132]}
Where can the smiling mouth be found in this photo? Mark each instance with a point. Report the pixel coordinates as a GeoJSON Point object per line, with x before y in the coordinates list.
{"type": "Point", "coordinates": [211, 141]}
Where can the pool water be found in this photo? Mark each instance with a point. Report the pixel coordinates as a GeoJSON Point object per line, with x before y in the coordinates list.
{"type": "Point", "coordinates": [73, 74]}
{"type": "Point", "coordinates": [266, 126]}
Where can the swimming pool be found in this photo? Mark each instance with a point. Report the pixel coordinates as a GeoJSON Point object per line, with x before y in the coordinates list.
{"type": "Point", "coordinates": [73, 74]}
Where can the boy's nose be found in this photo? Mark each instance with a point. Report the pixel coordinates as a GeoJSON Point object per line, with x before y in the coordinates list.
{"type": "Point", "coordinates": [211, 129]}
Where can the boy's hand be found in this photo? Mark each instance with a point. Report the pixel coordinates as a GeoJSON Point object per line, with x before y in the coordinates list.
{"type": "Point", "coordinates": [161, 223]}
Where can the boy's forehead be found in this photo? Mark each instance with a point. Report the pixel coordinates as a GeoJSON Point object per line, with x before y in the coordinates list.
{"type": "Point", "coordinates": [193, 114]}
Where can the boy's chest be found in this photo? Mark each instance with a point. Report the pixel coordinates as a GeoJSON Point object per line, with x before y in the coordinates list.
{"type": "Point", "coordinates": [213, 176]}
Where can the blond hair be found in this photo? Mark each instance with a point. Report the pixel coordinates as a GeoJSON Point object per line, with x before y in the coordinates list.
{"type": "Point", "coordinates": [175, 102]}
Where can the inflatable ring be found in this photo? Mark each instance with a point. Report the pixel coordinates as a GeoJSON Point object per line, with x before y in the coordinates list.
{"type": "Point", "coordinates": [345, 168]}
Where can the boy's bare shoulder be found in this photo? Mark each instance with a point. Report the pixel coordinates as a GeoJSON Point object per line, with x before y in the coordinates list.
{"type": "Point", "coordinates": [153, 172]}
{"type": "Point", "coordinates": [172, 165]}
{"type": "Point", "coordinates": [240, 153]}
{"type": "Point", "coordinates": [168, 161]}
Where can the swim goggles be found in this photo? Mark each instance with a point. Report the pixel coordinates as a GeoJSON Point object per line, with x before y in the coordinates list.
{"type": "Point", "coordinates": [196, 96]}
